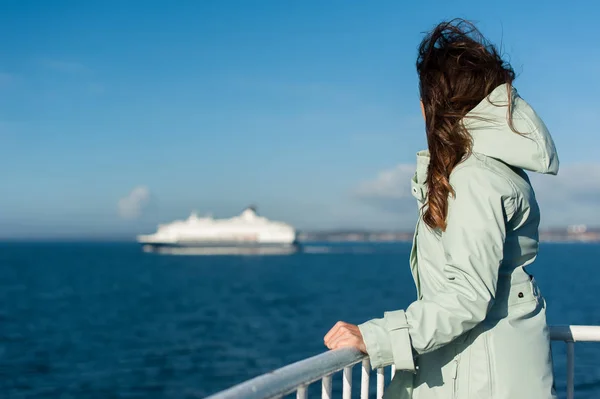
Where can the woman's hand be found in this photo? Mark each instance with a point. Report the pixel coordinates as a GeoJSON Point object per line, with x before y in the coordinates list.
{"type": "Point", "coordinates": [344, 335]}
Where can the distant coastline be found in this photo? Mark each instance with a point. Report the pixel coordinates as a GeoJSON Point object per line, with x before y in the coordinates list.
{"type": "Point", "coordinates": [571, 234]}
{"type": "Point", "coordinates": [578, 233]}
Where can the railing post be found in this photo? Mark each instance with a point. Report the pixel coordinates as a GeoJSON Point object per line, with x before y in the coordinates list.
{"type": "Point", "coordinates": [570, 369]}
{"type": "Point", "coordinates": [326, 387]}
{"type": "Point", "coordinates": [380, 382]}
{"type": "Point", "coordinates": [347, 383]}
{"type": "Point", "coordinates": [301, 393]}
{"type": "Point", "coordinates": [364, 383]}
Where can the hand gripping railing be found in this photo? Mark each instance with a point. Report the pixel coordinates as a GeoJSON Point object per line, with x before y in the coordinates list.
{"type": "Point", "coordinates": [298, 376]}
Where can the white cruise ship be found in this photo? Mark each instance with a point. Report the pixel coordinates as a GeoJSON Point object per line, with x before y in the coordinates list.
{"type": "Point", "coordinates": [247, 232]}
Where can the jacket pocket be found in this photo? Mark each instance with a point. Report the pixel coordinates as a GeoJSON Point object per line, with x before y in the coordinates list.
{"type": "Point", "coordinates": [472, 367]}
{"type": "Point", "coordinates": [478, 375]}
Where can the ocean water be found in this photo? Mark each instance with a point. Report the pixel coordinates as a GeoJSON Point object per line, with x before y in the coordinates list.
{"type": "Point", "coordinates": [97, 320]}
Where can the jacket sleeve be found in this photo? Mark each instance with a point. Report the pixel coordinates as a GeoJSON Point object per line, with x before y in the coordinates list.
{"type": "Point", "coordinates": [473, 246]}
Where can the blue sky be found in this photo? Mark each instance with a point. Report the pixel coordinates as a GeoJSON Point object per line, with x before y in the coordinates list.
{"type": "Point", "coordinates": [297, 106]}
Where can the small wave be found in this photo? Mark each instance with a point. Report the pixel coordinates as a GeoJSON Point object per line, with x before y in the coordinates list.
{"type": "Point", "coordinates": [347, 249]}
{"type": "Point", "coordinates": [316, 250]}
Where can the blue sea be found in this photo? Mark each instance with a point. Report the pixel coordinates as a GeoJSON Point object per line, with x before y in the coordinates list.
{"type": "Point", "coordinates": [99, 320]}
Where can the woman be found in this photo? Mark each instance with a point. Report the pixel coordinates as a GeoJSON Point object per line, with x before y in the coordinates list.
{"type": "Point", "coordinates": [478, 328]}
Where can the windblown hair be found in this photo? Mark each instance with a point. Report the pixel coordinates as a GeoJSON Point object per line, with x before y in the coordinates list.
{"type": "Point", "coordinates": [457, 69]}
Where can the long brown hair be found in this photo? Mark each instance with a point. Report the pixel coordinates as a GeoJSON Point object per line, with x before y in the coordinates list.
{"type": "Point", "coordinates": [457, 69]}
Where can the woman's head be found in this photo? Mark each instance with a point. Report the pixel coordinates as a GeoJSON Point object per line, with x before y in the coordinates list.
{"type": "Point", "coordinates": [457, 69]}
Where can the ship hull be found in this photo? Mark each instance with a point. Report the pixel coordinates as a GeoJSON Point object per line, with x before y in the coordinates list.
{"type": "Point", "coordinates": [223, 247]}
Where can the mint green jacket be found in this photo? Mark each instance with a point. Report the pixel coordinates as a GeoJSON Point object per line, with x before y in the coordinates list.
{"type": "Point", "coordinates": [478, 327]}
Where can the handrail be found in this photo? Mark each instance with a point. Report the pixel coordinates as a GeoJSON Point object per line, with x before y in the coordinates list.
{"type": "Point", "coordinates": [297, 376]}
{"type": "Point", "coordinates": [575, 333]}
{"type": "Point", "coordinates": [288, 378]}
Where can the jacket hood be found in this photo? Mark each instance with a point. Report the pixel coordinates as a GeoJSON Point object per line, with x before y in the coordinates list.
{"type": "Point", "coordinates": [530, 148]}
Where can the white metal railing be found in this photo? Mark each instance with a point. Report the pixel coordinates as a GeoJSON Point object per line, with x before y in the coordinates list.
{"type": "Point", "coordinates": [298, 376]}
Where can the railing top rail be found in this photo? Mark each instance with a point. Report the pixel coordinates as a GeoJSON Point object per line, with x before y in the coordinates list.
{"type": "Point", "coordinates": [575, 333]}
{"type": "Point", "coordinates": [287, 379]}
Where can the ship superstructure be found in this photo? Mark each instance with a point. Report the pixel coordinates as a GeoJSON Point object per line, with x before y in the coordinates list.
{"type": "Point", "coordinates": [246, 230]}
